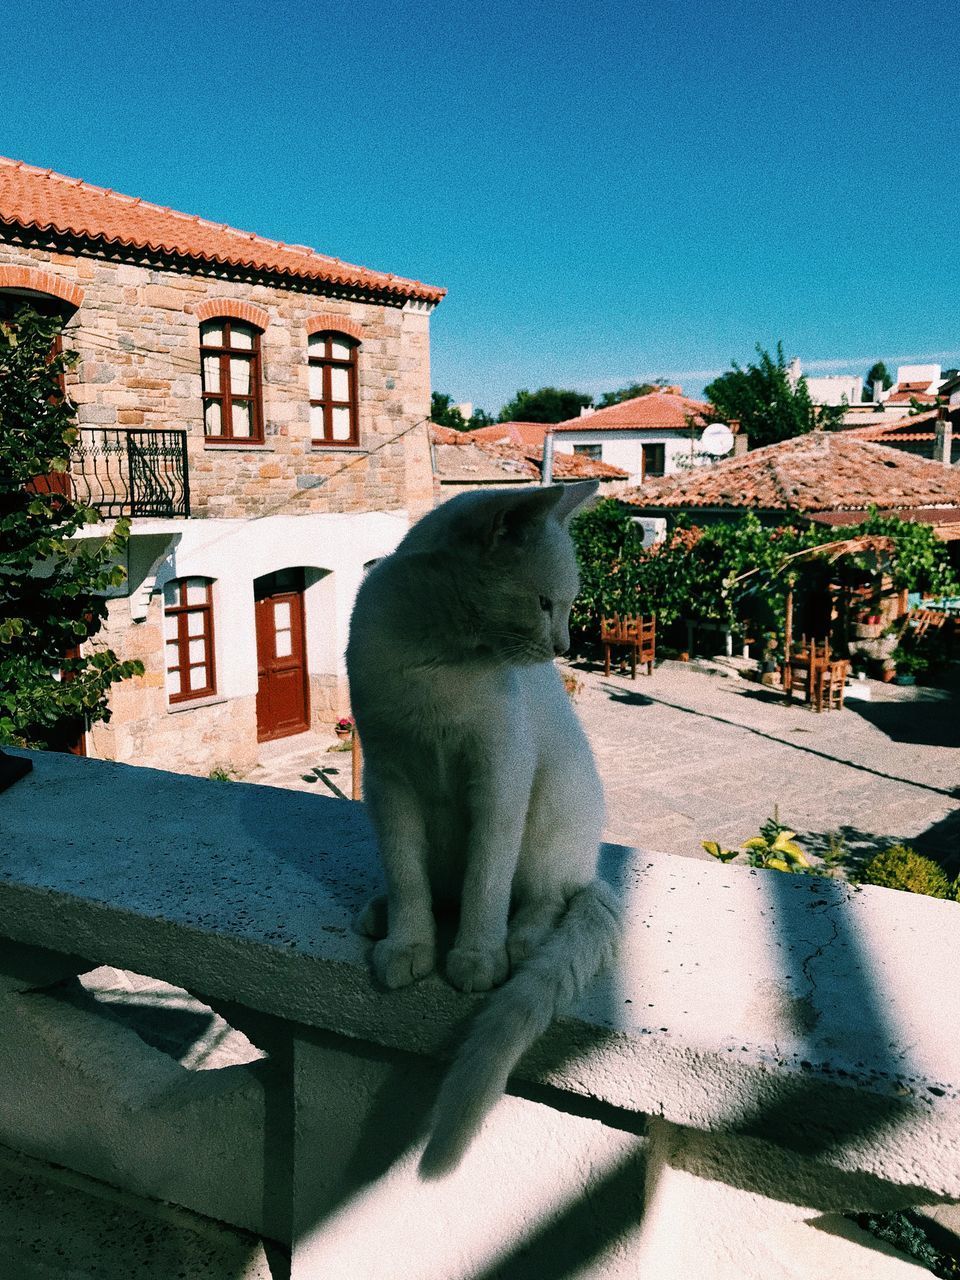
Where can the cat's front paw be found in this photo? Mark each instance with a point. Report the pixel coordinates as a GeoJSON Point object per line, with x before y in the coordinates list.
{"type": "Point", "coordinates": [477, 968]}
{"type": "Point", "coordinates": [397, 964]}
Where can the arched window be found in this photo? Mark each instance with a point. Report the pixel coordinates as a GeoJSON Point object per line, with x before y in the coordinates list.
{"type": "Point", "coordinates": [232, 397]}
{"type": "Point", "coordinates": [188, 635]}
{"type": "Point", "coordinates": [333, 389]}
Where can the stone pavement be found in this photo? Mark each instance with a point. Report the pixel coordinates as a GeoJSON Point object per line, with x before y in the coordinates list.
{"type": "Point", "coordinates": [687, 756]}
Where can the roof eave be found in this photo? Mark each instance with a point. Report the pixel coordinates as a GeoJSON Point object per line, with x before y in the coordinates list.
{"type": "Point", "coordinates": [90, 243]}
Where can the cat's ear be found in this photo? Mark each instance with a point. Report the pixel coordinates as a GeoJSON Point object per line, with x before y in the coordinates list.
{"type": "Point", "coordinates": [572, 497]}
{"type": "Point", "coordinates": [506, 516]}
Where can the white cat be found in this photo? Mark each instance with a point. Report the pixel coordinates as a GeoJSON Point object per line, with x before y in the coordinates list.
{"type": "Point", "coordinates": [479, 778]}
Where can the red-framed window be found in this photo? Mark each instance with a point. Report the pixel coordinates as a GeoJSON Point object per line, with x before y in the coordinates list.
{"type": "Point", "coordinates": [232, 390]}
{"type": "Point", "coordinates": [188, 637]}
{"type": "Point", "coordinates": [333, 389]}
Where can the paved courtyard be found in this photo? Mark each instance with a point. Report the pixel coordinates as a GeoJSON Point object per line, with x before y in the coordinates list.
{"type": "Point", "coordinates": [689, 756]}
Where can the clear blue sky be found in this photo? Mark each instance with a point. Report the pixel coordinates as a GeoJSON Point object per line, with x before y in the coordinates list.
{"type": "Point", "coordinates": [608, 190]}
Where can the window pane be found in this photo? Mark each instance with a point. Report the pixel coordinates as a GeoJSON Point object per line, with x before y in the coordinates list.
{"type": "Point", "coordinates": [281, 614]}
{"type": "Point", "coordinates": [239, 375]}
{"type": "Point", "coordinates": [317, 342]}
{"type": "Point", "coordinates": [284, 644]}
{"type": "Point", "coordinates": [198, 650]}
{"type": "Point", "coordinates": [171, 592]}
{"type": "Point", "coordinates": [339, 383]}
{"type": "Point", "coordinates": [173, 682]}
{"type": "Point", "coordinates": [173, 654]}
{"type": "Point", "coordinates": [340, 350]}
{"type": "Point", "coordinates": [195, 624]}
{"type": "Point", "coordinates": [316, 382]}
{"type": "Point", "coordinates": [242, 419]}
{"type": "Point", "coordinates": [316, 421]}
{"type": "Point", "coordinates": [211, 373]}
{"type": "Point", "coordinates": [196, 591]}
{"type": "Point", "coordinates": [241, 335]}
{"type": "Point", "coordinates": [211, 333]}
{"type": "Point", "coordinates": [170, 627]}
{"type": "Point", "coordinates": [211, 418]}
{"type": "Point", "coordinates": [341, 424]}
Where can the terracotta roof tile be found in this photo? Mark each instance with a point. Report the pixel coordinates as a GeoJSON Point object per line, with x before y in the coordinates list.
{"type": "Point", "coordinates": [919, 427]}
{"type": "Point", "coordinates": [823, 471]}
{"type": "Point", "coordinates": [522, 433]}
{"type": "Point", "coordinates": [658, 409]}
{"type": "Point", "coordinates": [47, 201]}
{"type": "Point", "coordinates": [461, 456]}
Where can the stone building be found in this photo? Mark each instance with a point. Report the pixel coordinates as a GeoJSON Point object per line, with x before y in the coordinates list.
{"type": "Point", "coordinates": [260, 411]}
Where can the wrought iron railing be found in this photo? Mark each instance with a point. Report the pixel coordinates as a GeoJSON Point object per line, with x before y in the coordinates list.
{"type": "Point", "coordinates": [132, 472]}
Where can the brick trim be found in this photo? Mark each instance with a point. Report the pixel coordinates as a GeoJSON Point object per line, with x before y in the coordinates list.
{"type": "Point", "coordinates": [323, 323]}
{"type": "Point", "coordinates": [41, 282]}
{"type": "Point", "coordinates": [214, 308]}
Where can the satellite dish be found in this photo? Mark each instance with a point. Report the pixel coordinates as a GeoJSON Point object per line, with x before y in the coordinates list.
{"type": "Point", "coordinates": [717, 439]}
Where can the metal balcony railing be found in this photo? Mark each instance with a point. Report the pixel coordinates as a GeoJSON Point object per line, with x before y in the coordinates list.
{"type": "Point", "coordinates": [132, 472]}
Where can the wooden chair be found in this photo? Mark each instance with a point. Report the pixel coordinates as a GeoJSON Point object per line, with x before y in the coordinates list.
{"type": "Point", "coordinates": [830, 682]}
{"type": "Point", "coordinates": [632, 632]}
{"type": "Point", "coordinates": [807, 659]}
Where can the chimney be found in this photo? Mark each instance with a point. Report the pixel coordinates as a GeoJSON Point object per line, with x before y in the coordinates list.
{"type": "Point", "coordinates": [794, 371]}
{"type": "Point", "coordinates": [877, 391]}
{"type": "Point", "coordinates": [741, 441]}
{"type": "Point", "coordinates": [943, 445]}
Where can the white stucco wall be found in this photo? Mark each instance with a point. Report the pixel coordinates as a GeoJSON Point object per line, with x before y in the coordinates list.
{"type": "Point", "coordinates": [332, 549]}
{"type": "Point", "coordinates": [624, 448]}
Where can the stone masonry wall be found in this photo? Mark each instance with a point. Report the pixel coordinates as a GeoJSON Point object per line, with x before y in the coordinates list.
{"type": "Point", "coordinates": [137, 334]}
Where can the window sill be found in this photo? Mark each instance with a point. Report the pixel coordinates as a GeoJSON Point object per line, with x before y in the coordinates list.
{"type": "Point", "coordinates": [327, 446]}
{"type": "Point", "coordinates": [194, 704]}
{"type": "Point", "coordinates": [237, 446]}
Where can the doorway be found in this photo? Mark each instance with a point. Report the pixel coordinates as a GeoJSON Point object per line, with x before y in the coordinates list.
{"type": "Point", "coordinates": [283, 699]}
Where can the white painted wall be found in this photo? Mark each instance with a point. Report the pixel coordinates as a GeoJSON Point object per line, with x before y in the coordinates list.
{"type": "Point", "coordinates": [624, 448]}
{"type": "Point", "coordinates": [332, 548]}
{"type": "Point", "coordinates": [836, 389]}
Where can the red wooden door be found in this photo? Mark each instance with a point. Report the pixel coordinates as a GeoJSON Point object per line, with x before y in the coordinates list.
{"type": "Point", "coordinates": [283, 704]}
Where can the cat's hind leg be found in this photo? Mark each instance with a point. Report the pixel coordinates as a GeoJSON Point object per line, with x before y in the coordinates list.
{"type": "Point", "coordinates": [530, 924]}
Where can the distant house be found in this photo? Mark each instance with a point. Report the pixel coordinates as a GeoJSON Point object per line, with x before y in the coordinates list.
{"type": "Point", "coordinates": [647, 437]}
{"type": "Point", "coordinates": [258, 410]}
{"type": "Point", "coordinates": [825, 477]}
{"type": "Point", "coordinates": [925, 435]}
{"type": "Point", "coordinates": [462, 462]}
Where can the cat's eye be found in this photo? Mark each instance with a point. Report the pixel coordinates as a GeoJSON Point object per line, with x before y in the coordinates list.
{"type": "Point", "coordinates": [546, 604]}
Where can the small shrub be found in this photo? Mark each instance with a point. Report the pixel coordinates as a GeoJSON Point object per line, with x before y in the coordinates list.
{"type": "Point", "coordinates": [901, 867]}
{"type": "Point", "coordinates": [222, 774]}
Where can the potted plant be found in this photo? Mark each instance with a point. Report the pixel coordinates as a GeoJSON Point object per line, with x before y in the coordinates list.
{"type": "Point", "coordinates": [344, 727]}
{"type": "Point", "coordinates": [909, 665]}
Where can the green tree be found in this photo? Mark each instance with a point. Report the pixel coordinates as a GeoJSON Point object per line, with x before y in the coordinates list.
{"type": "Point", "coordinates": [446, 414]}
{"type": "Point", "coordinates": [876, 373]}
{"type": "Point", "coordinates": [52, 584]}
{"type": "Point", "coordinates": [765, 403]}
{"type": "Point", "coordinates": [629, 393]}
{"type": "Point", "coordinates": [549, 404]}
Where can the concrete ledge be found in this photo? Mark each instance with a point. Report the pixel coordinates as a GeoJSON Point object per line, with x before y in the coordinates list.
{"type": "Point", "coordinates": [792, 1011]}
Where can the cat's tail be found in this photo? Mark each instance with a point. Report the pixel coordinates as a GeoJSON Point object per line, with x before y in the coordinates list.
{"type": "Point", "coordinates": [550, 982]}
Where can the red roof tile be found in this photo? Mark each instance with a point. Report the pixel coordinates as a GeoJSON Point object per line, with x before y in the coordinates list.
{"type": "Point", "coordinates": [658, 409]}
{"type": "Point", "coordinates": [522, 433]}
{"type": "Point", "coordinates": [462, 456]}
{"type": "Point", "coordinates": [46, 201]}
{"type": "Point", "coordinates": [823, 471]}
{"type": "Point", "coordinates": [919, 427]}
